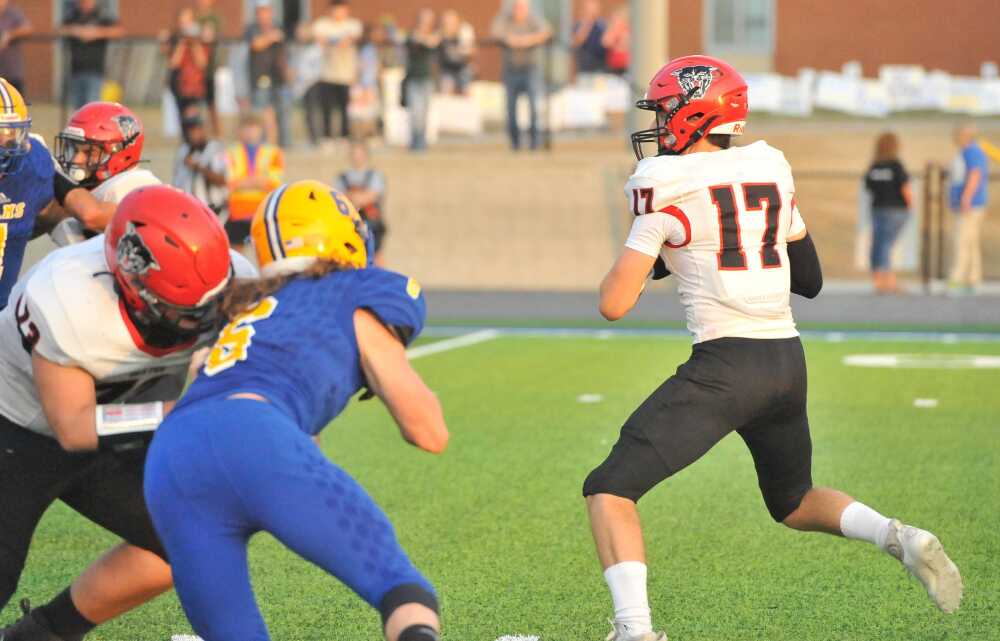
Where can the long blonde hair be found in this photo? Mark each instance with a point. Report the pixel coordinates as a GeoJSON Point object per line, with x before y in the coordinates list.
{"type": "Point", "coordinates": [242, 294]}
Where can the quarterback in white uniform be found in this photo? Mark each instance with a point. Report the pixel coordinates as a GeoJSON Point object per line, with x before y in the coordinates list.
{"type": "Point", "coordinates": [725, 223]}
{"type": "Point", "coordinates": [94, 349]}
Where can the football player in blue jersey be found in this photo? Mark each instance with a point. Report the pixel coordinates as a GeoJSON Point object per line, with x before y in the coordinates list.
{"type": "Point", "coordinates": [235, 457]}
{"type": "Point", "coordinates": [26, 190]}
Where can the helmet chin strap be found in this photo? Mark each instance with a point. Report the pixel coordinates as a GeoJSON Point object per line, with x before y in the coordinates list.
{"type": "Point", "coordinates": [155, 331]}
{"type": "Point", "coordinates": [698, 134]}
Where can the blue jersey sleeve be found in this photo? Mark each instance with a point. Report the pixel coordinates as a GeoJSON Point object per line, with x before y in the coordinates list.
{"type": "Point", "coordinates": [396, 299]}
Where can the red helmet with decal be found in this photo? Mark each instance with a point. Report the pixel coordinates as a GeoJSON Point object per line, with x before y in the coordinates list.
{"type": "Point", "coordinates": [692, 97]}
{"type": "Point", "coordinates": [100, 140]}
{"type": "Point", "coordinates": [170, 259]}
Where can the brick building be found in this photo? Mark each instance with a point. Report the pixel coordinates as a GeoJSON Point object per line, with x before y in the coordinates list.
{"type": "Point", "coordinates": [778, 35]}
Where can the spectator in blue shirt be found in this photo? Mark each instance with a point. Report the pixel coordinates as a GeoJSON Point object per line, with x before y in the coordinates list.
{"type": "Point", "coordinates": [588, 31]}
{"type": "Point", "coordinates": [969, 173]}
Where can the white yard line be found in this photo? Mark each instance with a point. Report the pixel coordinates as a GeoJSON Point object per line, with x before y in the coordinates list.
{"type": "Point", "coordinates": [464, 340]}
{"type": "Point", "coordinates": [948, 338]}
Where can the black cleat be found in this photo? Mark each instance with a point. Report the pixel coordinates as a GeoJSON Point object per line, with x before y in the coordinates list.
{"type": "Point", "coordinates": [30, 627]}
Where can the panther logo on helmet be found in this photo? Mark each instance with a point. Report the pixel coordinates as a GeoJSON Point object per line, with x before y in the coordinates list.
{"type": "Point", "coordinates": [695, 80]}
{"type": "Point", "coordinates": [133, 254]}
{"type": "Point", "coordinates": [128, 126]}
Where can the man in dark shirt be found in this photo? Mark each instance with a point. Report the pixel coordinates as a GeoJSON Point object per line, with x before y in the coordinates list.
{"type": "Point", "coordinates": [13, 27]}
{"type": "Point", "coordinates": [88, 30]}
{"type": "Point", "coordinates": [269, 73]}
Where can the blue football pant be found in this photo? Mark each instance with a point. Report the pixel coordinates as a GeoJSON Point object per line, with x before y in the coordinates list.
{"type": "Point", "coordinates": [219, 471]}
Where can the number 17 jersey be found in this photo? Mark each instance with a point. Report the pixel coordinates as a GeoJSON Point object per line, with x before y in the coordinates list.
{"type": "Point", "coordinates": [721, 220]}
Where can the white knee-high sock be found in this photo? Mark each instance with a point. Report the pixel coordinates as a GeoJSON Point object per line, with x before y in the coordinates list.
{"type": "Point", "coordinates": [858, 521]}
{"type": "Point", "coordinates": [627, 582]}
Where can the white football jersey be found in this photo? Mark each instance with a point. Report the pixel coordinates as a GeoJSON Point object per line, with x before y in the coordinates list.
{"type": "Point", "coordinates": [66, 308]}
{"type": "Point", "coordinates": [721, 220]}
{"type": "Point", "coordinates": [112, 190]}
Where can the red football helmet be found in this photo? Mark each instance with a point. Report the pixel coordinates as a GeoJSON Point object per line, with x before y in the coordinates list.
{"type": "Point", "coordinates": [692, 96]}
{"type": "Point", "coordinates": [100, 140]}
{"type": "Point", "coordinates": [170, 258]}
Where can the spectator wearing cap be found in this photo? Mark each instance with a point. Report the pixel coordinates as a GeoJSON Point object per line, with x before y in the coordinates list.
{"type": "Point", "coordinates": [337, 33]}
{"type": "Point", "coordinates": [270, 72]}
{"type": "Point", "coordinates": [521, 32]}
{"type": "Point", "coordinates": [88, 29]}
{"type": "Point", "coordinates": [254, 169]}
{"type": "Point", "coordinates": [458, 45]}
{"type": "Point", "coordinates": [418, 85]}
{"type": "Point", "coordinates": [969, 173]}
{"type": "Point", "coordinates": [200, 167]}
{"type": "Point", "coordinates": [888, 184]}
{"type": "Point", "coordinates": [365, 187]}
{"type": "Point", "coordinates": [13, 27]}
{"type": "Point", "coordinates": [588, 32]}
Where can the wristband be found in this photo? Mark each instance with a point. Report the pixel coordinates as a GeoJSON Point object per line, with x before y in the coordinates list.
{"type": "Point", "coordinates": [129, 426]}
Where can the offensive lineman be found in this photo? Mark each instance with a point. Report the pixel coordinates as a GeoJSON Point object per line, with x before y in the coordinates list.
{"type": "Point", "coordinates": [114, 319]}
{"type": "Point", "coordinates": [725, 222]}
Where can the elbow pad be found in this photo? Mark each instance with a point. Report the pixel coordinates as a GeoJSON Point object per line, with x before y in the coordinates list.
{"type": "Point", "coordinates": [807, 275]}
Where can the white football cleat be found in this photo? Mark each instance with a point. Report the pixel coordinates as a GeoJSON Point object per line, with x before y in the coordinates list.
{"type": "Point", "coordinates": [619, 633]}
{"type": "Point", "coordinates": [922, 554]}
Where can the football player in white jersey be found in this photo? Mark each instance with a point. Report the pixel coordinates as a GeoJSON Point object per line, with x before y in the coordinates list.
{"type": "Point", "coordinates": [94, 348]}
{"type": "Point", "coordinates": [725, 223]}
{"type": "Point", "coordinates": [98, 153]}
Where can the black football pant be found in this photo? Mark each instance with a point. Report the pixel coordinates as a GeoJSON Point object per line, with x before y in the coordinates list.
{"type": "Point", "coordinates": [35, 471]}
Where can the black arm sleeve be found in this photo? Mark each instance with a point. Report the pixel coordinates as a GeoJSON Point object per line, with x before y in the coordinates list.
{"type": "Point", "coordinates": [807, 276]}
{"type": "Point", "coordinates": [62, 185]}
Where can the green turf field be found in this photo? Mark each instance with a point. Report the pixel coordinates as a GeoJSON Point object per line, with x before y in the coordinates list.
{"type": "Point", "coordinates": [498, 524]}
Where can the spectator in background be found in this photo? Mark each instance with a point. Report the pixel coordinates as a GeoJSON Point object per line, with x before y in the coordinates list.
{"type": "Point", "coordinates": [307, 64]}
{"type": "Point", "coordinates": [270, 73]}
{"type": "Point", "coordinates": [386, 37]}
{"type": "Point", "coordinates": [200, 166]}
{"type": "Point", "coordinates": [187, 59]}
{"type": "Point", "coordinates": [337, 33]}
{"type": "Point", "coordinates": [521, 32]}
{"type": "Point", "coordinates": [365, 187]}
{"type": "Point", "coordinates": [458, 45]}
{"type": "Point", "coordinates": [88, 30]}
{"type": "Point", "coordinates": [418, 85]}
{"type": "Point", "coordinates": [364, 94]}
{"type": "Point", "coordinates": [888, 184]}
{"type": "Point", "coordinates": [969, 172]}
{"type": "Point", "coordinates": [13, 27]}
{"type": "Point", "coordinates": [211, 26]}
{"type": "Point", "coordinates": [254, 168]}
{"type": "Point", "coordinates": [588, 33]}
{"type": "Point", "coordinates": [617, 42]}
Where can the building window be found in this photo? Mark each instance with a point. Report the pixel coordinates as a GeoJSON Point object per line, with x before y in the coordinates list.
{"type": "Point", "coordinates": [739, 26]}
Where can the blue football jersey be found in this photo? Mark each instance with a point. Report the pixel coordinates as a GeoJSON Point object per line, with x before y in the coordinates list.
{"type": "Point", "coordinates": [22, 196]}
{"type": "Point", "coordinates": [297, 347]}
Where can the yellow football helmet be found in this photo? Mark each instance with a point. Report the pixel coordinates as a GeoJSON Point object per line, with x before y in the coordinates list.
{"type": "Point", "coordinates": [301, 222]}
{"type": "Point", "coordinates": [15, 124]}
